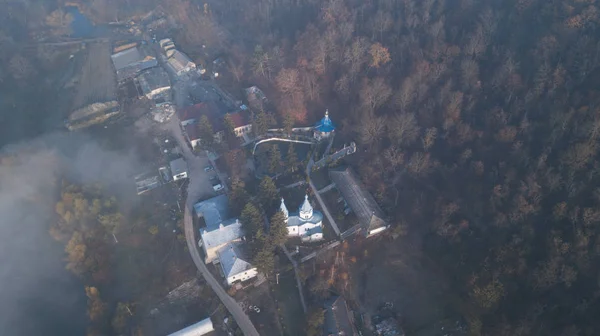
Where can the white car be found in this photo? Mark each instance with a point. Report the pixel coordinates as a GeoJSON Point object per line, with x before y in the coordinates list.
{"type": "Point", "coordinates": [218, 187]}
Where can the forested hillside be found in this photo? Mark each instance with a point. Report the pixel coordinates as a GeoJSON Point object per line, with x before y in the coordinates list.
{"type": "Point", "coordinates": [479, 125]}
{"type": "Point", "coordinates": [477, 122]}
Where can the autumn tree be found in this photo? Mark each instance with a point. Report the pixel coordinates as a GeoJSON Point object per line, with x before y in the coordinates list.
{"type": "Point", "coordinates": [288, 81]}
{"type": "Point", "coordinates": [229, 127]}
{"type": "Point", "coordinates": [60, 22]}
{"type": "Point", "coordinates": [121, 317]}
{"type": "Point", "coordinates": [379, 55]}
{"type": "Point", "coordinates": [96, 308]}
{"type": "Point", "coordinates": [206, 133]}
{"type": "Point", "coordinates": [314, 321]}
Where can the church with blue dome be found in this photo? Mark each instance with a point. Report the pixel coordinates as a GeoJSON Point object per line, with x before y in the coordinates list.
{"type": "Point", "coordinates": [307, 223]}
{"type": "Point", "coordinates": [324, 128]}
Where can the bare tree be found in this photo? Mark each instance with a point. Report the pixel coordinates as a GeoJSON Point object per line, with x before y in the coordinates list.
{"type": "Point", "coordinates": [21, 68]}
{"type": "Point", "coordinates": [371, 128]}
{"type": "Point", "coordinates": [287, 81]}
{"type": "Point", "coordinates": [403, 129]}
{"type": "Point", "coordinates": [374, 93]}
{"type": "Point", "coordinates": [356, 55]}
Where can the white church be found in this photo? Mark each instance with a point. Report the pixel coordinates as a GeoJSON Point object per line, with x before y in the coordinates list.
{"type": "Point", "coordinates": [306, 223]}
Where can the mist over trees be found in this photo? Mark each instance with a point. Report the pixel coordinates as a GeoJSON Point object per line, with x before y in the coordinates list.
{"type": "Point", "coordinates": [479, 121]}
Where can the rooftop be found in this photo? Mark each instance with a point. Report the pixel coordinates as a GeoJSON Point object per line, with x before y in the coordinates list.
{"type": "Point", "coordinates": [325, 125]}
{"type": "Point", "coordinates": [179, 61]}
{"type": "Point", "coordinates": [178, 166]}
{"type": "Point", "coordinates": [337, 318]}
{"type": "Point", "coordinates": [233, 260]}
{"type": "Point", "coordinates": [126, 57]}
{"type": "Point", "coordinates": [224, 233]}
{"type": "Point", "coordinates": [240, 118]}
{"type": "Point", "coordinates": [153, 79]}
{"type": "Point", "coordinates": [359, 199]}
{"type": "Point", "coordinates": [214, 210]}
{"type": "Point", "coordinates": [208, 109]}
{"type": "Point", "coordinates": [96, 83]}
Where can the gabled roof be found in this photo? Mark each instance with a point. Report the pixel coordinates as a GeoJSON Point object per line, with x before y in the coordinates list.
{"type": "Point", "coordinates": [226, 232]}
{"type": "Point", "coordinates": [209, 109]}
{"type": "Point", "coordinates": [214, 210]}
{"type": "Point", "coordinates": [295, 220]}
{"type": "Point", "coordinates": [192, 131]}
{"type": "Point", "coordinates": [232, 258]}
{"type": "Point", "coordinates": [153, 79]}
{"type": "Point", "coordinates": [178, 166]}
{"type": "Point", "coordinates": [337, 318]}
{"type": "Point", "coordinates": [369, 213]}
{"type": "Point", "coordinates": [240, 118]}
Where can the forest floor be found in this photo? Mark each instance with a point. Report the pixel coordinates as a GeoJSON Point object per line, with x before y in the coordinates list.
{"type": "Point", "coordinates": [393, 272]}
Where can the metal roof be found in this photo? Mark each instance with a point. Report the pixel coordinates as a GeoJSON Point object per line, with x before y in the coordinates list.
{"type": "Point", "coordinates": [226, 232]}
{"type": "Point", "coordinates": [201, 328]}
{"type": "Point", "coordinates": [325, 125]}
{"type": "Point", "coordinates": [337, 318]}
{"type": "Point", "coordinates": [295, 220]}
{"type": "Point", "coordinates": [232, 260]}
{"type": "Point", "coordinates": [358, 198]}
{"type": "Point", "coordinates": [153, 79]}
{"type": "Point", "coordinates": [178, 166]}
{"type": "Point", "coordinates": [214, 210]}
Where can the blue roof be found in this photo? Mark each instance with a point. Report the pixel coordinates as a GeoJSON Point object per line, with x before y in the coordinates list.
{"type": "Point", "coordinates": [325, 125]}
{"type": "Point", "coordinates": [214, 211]}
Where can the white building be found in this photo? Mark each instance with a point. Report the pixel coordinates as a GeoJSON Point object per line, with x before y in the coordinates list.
{"type": "Point", "coordinates": [178, 169]}
{"type": "Point", "coordinates": [306, 223]}
{"type": "Point", "coordinates": [233, 262]}
{"type": "Point", "coordinates": [203, 327]}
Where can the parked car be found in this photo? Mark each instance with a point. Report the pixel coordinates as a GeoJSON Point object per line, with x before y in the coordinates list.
{"type": "Point", "coordinates": [218, 187]}
{"type": "Point", "coordinates": [208, 168]}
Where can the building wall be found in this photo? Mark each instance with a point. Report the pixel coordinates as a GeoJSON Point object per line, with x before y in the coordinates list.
{"type": "Point", "coordinates": [294, 231]}
{"type": "Point", "coordinates": [246, 275]}
{"type": "Point", "coordinates": [180, 176]}
{"type": "Point", "coordinates": [240, 131]}
{"type": "Point", "coordinates": [314, 237]}
{"type": "Point", "coordinates": [376, 231]}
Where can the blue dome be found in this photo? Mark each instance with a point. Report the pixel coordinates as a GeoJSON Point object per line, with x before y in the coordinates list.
{"type": "Point", "coordinates": [325, 125]}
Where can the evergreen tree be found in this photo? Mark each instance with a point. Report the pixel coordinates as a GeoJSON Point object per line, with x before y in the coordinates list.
{"type": "Point", "coordinates": [291, 159]}
{"type": "Point", "coordinates": [252, 220]}
{"type": "Point", "coordinates": [268, 194]}
{"type": "Point", "coordinates": [206, 133]}
{"type": "Point", "coordinates": [264, 260]}
{"type": "Point", "coordinates": [288, 123]}
{"type": "Point", "coordinates": [274, 159]}
{"type": "Point", "coordinates": [278, 231]}
{"type": "Point", "coordinates": [239, 196]}
{"type": "Point", "coordinates": [260, 123]}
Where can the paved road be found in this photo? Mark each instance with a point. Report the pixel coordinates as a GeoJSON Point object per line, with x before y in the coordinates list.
{"type": "Point", "coordinates": [298, 282]}
{"type": "Point", "coordinates": [200, 187]}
